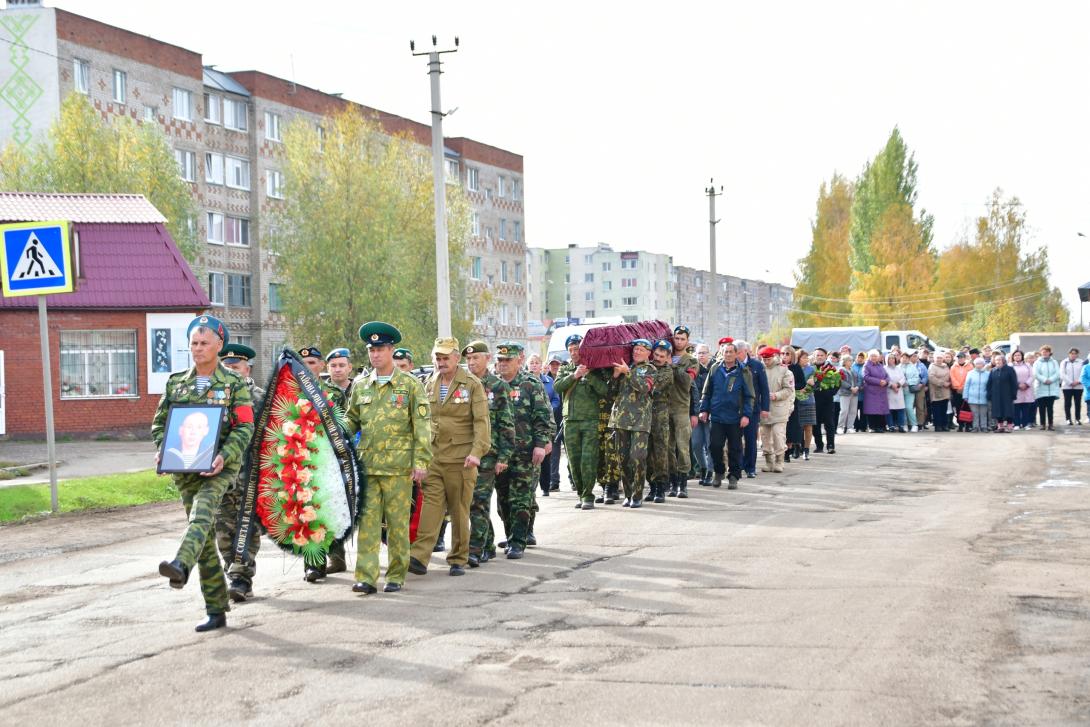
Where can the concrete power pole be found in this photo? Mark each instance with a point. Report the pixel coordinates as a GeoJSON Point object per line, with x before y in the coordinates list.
{"type": "Point", "coordinates": [712, 305]}
{"type": "Point", "coordinates": [442, 258]}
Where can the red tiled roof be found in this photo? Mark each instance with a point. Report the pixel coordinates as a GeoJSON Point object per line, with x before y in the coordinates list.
{"type": "Point", "coordinates": [32, 207]}
{"type": "Point", "coordinates": [129, 266]}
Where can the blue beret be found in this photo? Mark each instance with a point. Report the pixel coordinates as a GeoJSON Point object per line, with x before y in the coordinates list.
{"type": "Point", "coordinates": [642, 342]}
{"type": "Point", "coordinates": [310, 351]}
{"type": "Point", "coordinates": [213, 324]}
{"type": "Point", "coordinates": [338, 353]}
{"type": "Point", "coordinates": [377, 333]}
{"type": "Point", "coordinates": [573, 338]}
{"type": "Point", "coordinates": [663, 343]}
{"type": "Point", "coordinates": [681, 329]}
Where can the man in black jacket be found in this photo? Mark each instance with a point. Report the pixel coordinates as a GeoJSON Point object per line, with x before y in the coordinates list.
{"type": "Point", "coordinates": [701, 439]}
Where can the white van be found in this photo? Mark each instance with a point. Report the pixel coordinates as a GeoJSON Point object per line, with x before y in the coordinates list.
{"type": "Point", "coordinates": [556, 341]}
{"type": "Point", "coordinates": [908, 341]}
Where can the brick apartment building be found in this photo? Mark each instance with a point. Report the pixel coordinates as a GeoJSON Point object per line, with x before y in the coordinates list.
{"type": "Point", "coordinates": [745, 308]}
{"type": "Point", "coordinates": [226, 130]}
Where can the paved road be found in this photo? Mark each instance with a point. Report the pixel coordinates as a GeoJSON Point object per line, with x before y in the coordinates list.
{"type": "Point", "coordinates": [928, 579]}
{"type": "Point", "coordinates": [82, 458]}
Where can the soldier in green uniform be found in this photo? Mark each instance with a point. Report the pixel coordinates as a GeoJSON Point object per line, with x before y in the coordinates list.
{"type": "Point", "coordinates": [631, 418]}
{"type": "Point", "coordinates": [682, 410]}
{"type": "Point", "coordinates": [390, 411]}
{"type": "Point", "coordinates": [207, 382]}
{"type": "Point", "coordinates": [534, 431]}
{"type": "Point", "coordinates": [403, 359]}
{"type": "Point", "coordinates": [338, 376]}
{"type": "Point", "coordinates": [240, 576]}
{"type": "Point", "coordinates": [461, 436]}
{"type": "Point", "coordinates": [661, 459]}
{"type": "Point", "coordinates": [502, 426]}
{"type": "Point", "coordinates": [582, 389]}
{"type": "Point", "coordinates": [609, 458]}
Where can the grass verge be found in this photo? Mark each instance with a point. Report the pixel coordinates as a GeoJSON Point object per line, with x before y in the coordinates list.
{"type": "Point", "coordinates": [134, 488]}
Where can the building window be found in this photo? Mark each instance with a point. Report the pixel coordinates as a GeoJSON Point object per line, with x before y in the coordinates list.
{"type": "Point", "coordinates": [452, 171]}
{"type": "Point", "coordinates": [518, 273]}
{"type": "Point", "coordinates": [187, 164]}
{"type": "Point", "coordinates": [183, 104]}
{"type": "Point", "coordinates": [320, 130]}
{"type": "Point", "coordinates": [628, 282]}
{"type": "Point", "coordinates": [274, 184]}
{"type": "Point", "coordinates": [607, 304]}
{"type": "Point", "coordinates": [503, 271]}
{"type": "Point", "coordinates": [628, 263]}
{"type": "Point", "coordinates": [473, 179]}
{"type": "Point", "coordinates": [503, 229]}
{"type": "Point", "coordinates": [98, 364]}
{"type": "Point", "coordinates": [488, 234]}
{"type": "Point", "coordinates": [588, 277]}
{"type": "Point", "coordinates": [476, 224]}
{"type": "Point", "coordinates": [272, 126]}
{"type": "Point", "coordinates": [475, 268]}
{"type": "Point", "coordinates": [213, 109]}
{"type": "Point", "coordinates": [274, 298]}
{"type": "Point", "coordinates": [589, 313]}
{"type": "Point", "coordinates": [236, 231]}
{"type": "Point", "coordinates": [238, 290]}
{"type": "Point", "coordinates": [629, 302]}
{"type": "Point", "coordinates": [151, 113]}
{"type": "Point", "coordinates": [503, 314]}
{"type": "Point", "coordinates": [518, 231]}
{"type": "Point", "coordinates": [500, 186]}
{"type": "Point", "coordinates": [234, 114]}
{"type": "Point", "coordinates": [81, 75]}
{"type": "Point", "coordinates": [237, 172]}
{"type": "Point", "coordinates": [213, 168]}
{"type": "Point", "coordinates": [516, 189]}
{"type": "Point", "coordinates": [214, 223]}
{"type": "Point", "coordinates": [215, 288]}
{"type": "Point", "coordinates": [518, 315]}
{"type": "Point", "coordinates": [606, 267]}
{"type": "Point", "coordinates": [120, 82]}
{"type": "Point", "coordinates": [607, 285]}
{"type": "Point", "coordinates": [588, 259]}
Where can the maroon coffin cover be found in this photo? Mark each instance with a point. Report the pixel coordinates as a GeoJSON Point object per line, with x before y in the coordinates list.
{"type": "Point", "coordinates": [605, 346]}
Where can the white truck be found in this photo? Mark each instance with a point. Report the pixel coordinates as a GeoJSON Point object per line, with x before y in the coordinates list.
{"type": "Point", "coordinates": [860, 338]}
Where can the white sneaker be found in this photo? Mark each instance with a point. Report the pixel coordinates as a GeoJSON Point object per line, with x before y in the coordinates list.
{"type": "Point", "coordinates": [915, 429]}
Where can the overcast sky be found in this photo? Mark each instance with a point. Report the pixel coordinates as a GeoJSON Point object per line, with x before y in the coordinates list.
{"type": "Point", "coordinates": [623, 114]}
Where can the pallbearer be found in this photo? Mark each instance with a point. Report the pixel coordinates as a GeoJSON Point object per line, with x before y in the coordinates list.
{"type": "Point", "coordinates": [631, 418]}
{"type": "Point", "coordinates": [581, 389]}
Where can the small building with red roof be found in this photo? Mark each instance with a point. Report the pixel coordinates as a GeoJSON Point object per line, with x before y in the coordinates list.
{"type": "Point", "coordinates": [117, 337]}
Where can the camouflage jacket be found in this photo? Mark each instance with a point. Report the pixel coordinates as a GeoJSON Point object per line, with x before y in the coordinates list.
{"type": "Point", "coordinates": [534, 426]}
{"type": "Point", "coordinates": [581, 397]}
{"type": "Point", "coordinates": [394, 422]}
{"type": "Point", "coordinates": [336, 394]}
{"type": "Point", "coordinates": [226, 389]}
{"type": "Point", "coordinates": [663, 377]}
{"type": "Point", "coordinates": [681, 398]}
{"type": "Point", "coordinates": [502, 417]}
{"type": "Point", "coordinates": [632, 407]}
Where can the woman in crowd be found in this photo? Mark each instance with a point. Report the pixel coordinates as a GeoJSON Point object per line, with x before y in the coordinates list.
{"type": "Point", "coordinates": [857, 369]}
{"type": "Point", "coordinates": [794, 428]}
{"type": "Point", "coordinates": [1023, 400]}
{"type": "Point", "coordinates": [807, 406]}
{"type": "Point", "coordinates": [1046, 372]}
{"type": "Point", "coordinates": [911, 390]}
{"type": "Point", "coordinates": [958, 371]}
{"type": "Point", "coordinates": [1085, 379]}
{"type": "Point", "coordinates": [1002, 389]}
{"type": "Point", "coordinates": [976, 393]}
{"type": "Point", "coordinates": [938, 383]}
{"type": "Point", "coordinates": [895, 393]}
{"type": "Point", "coordinates": [875, 397]}
{"type": "Point", "coordinates": [848, 394]}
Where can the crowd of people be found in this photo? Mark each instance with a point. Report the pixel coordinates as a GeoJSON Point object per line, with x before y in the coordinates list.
{"type": "Point", "coordinates": [444, 444]}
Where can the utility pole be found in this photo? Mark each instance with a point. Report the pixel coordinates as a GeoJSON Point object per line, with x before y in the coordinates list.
{"type": "Point", "coordinates": [712, 306]}
{"type": "Point", "coordinates": [442, 259]}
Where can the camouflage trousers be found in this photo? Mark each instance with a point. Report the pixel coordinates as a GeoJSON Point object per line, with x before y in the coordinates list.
{"type": "Point", "coordinates": [681, 430]}
{"type": "Point", "coordinates": [201, 497]}
{"type": "Point", "coordinates": [481, 536]}
{"type": "Point", "coordinates": [583, 442]}
{"type": "Point", "coordinates": [227, 526]}
{"type": "Point", "coordinates": [661, 457]}
{"type": "Point", "coordinates": [609, 459]}
{"type": "Point", "coordinates": [633, 449]}
{"type": "Point", "coordinates": [389, 498]}
{"type": "Point", "coordinates": [515, 498]}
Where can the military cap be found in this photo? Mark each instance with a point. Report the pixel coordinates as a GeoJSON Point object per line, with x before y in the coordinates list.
{"type": "Point", "coordinates": [310, 351]}
{"type": "Point", "coordinates": [573, 338]}
{"type": "Point", "coordinates": [445, 345]}
{"type": "Point", "coordinates": [768, 352]}
{"type": "Point", "coordinates": [475, 347]}
{"type": "Point", "coordinates": [213, 324]}
{"type": "Point", "coordinates": [661, 343]}
{"type": "Point", "coordinates": [642, 342]}
{"type": "Point", "coordinates": [555, 359]}
{"type": "Point", "coordinates": [725, 339]}
{"type": "Point", "coordinates": [233, 352]}
{"type": "Point", "coordinates": [403, 353]}
{"type": "Point", "coordinates": [509, 349]}
{"type": "Point", "coordinates": [681, 329]}
{"type": "Point", "coordinates": [338, 353]}
{"type": "Point", "coordinates": [377, 333]}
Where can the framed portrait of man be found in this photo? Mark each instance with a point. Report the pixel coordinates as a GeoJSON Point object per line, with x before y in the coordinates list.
{"type": "Point", "coordinates": [192, 435]}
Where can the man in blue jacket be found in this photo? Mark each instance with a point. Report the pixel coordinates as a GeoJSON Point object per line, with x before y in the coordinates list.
{"type": "Point", "coordinates": [761, 404]}
{"type": "Point", "coordinates": [728, 403]}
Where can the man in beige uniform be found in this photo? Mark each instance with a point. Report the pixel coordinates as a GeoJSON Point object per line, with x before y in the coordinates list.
{"type": "Point", "coordinates": [461, 436]}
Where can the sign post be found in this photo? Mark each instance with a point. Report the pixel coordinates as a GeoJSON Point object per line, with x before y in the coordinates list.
{"type": "Point", "coordinates": [36, 259]}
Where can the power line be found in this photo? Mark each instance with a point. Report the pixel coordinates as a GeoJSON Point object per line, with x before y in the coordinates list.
{"type": "Point", "coordinates": [936, 313]}
{"type": "Point", "coordinates": [916, 297]}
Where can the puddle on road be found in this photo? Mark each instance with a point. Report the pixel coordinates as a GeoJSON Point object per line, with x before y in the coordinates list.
{"type": "Point", "coordinates": [1061, 483]}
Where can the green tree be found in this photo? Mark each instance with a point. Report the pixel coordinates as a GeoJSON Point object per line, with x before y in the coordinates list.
{"type": "Point", "coordinates": [889, 179]}
{"type": "Point", "coordinates": [824, 279]}
{"type": "Point", "coordinates": [355, 236]}
{"type": "Point", "coordinates": [85, 154]}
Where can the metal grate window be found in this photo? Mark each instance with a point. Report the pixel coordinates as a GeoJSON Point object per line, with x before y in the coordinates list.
{"type": "Point", "coordinates": [98, 364]}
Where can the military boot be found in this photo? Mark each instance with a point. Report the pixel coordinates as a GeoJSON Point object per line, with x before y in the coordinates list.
{"type": "Point", "coordinates": [240, 590]}
{"type": "Point", "coordinates": [777, 465]}
{"type": "Point", "coordinates": [673, 487]}
{"type": "Point", "coordinates": [440, 546]}
{"type": "Point", "coordinates": [706, 478]}
{"type": "Point", "coordinates": [658, 494]}
{"type": "Point", "coordinates": [611, 495]}
{"type": "Point", "coordinates": [336, 562]}
{"type": "Point", "coordinates": [682, 487]}
{"type": "Point", "coordinates": [769, 464]}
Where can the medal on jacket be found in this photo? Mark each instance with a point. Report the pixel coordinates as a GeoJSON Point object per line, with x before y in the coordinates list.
{"type": "Point", "coordinates": [514, 394]}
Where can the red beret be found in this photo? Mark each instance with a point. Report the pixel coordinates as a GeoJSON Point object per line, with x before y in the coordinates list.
{"type": "Point", "coordinates": [768, 352]}
{"type": "Point", "coordinates": [725, 339]}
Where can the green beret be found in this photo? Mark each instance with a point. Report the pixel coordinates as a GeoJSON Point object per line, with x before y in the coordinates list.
{"type": "Point", "coordinates": [403, 353]}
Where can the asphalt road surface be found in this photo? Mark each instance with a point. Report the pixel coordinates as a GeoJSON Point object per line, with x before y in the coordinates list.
{"type": "Point", "coordinates": [908, 579]}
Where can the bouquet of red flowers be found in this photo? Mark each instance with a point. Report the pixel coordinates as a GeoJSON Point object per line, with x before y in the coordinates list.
{"type": "Point", "coordinates": [827, 378]}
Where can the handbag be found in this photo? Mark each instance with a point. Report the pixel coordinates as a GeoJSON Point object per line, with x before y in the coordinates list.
{"type": "Point", "coordinates": [965, 414]}
{"type": "Point", "coordinates": [914, 388]}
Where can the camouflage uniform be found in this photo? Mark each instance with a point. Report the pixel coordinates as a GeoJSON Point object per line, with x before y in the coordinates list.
{"type": "Point", "coordinates": [227, 515]}
{"type": "Point", "coordinates": [534, 427]}
{"type": "Point", "coordinates": [202, 496]}
{"type": "Point", "coordinates": [609, 457]}
{"type": "Point", "coordinates": [631, 423]}
{"type": "Point", "coordinates": [580, 407]}
{"type": "Point", "coordinates": [502, 419]}
{"type": "Point", "coordinates": [394, 422]}
{"type": "Point", "coordinates": [661, 458]}
{"type": "Point", "coordinates": [681, 412]}
{"type": "Point", "coordinates": [339, 397]}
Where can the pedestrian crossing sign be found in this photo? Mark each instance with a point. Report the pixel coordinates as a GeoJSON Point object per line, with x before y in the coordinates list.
{"type": "Point", "coordinates": [36, 259]}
